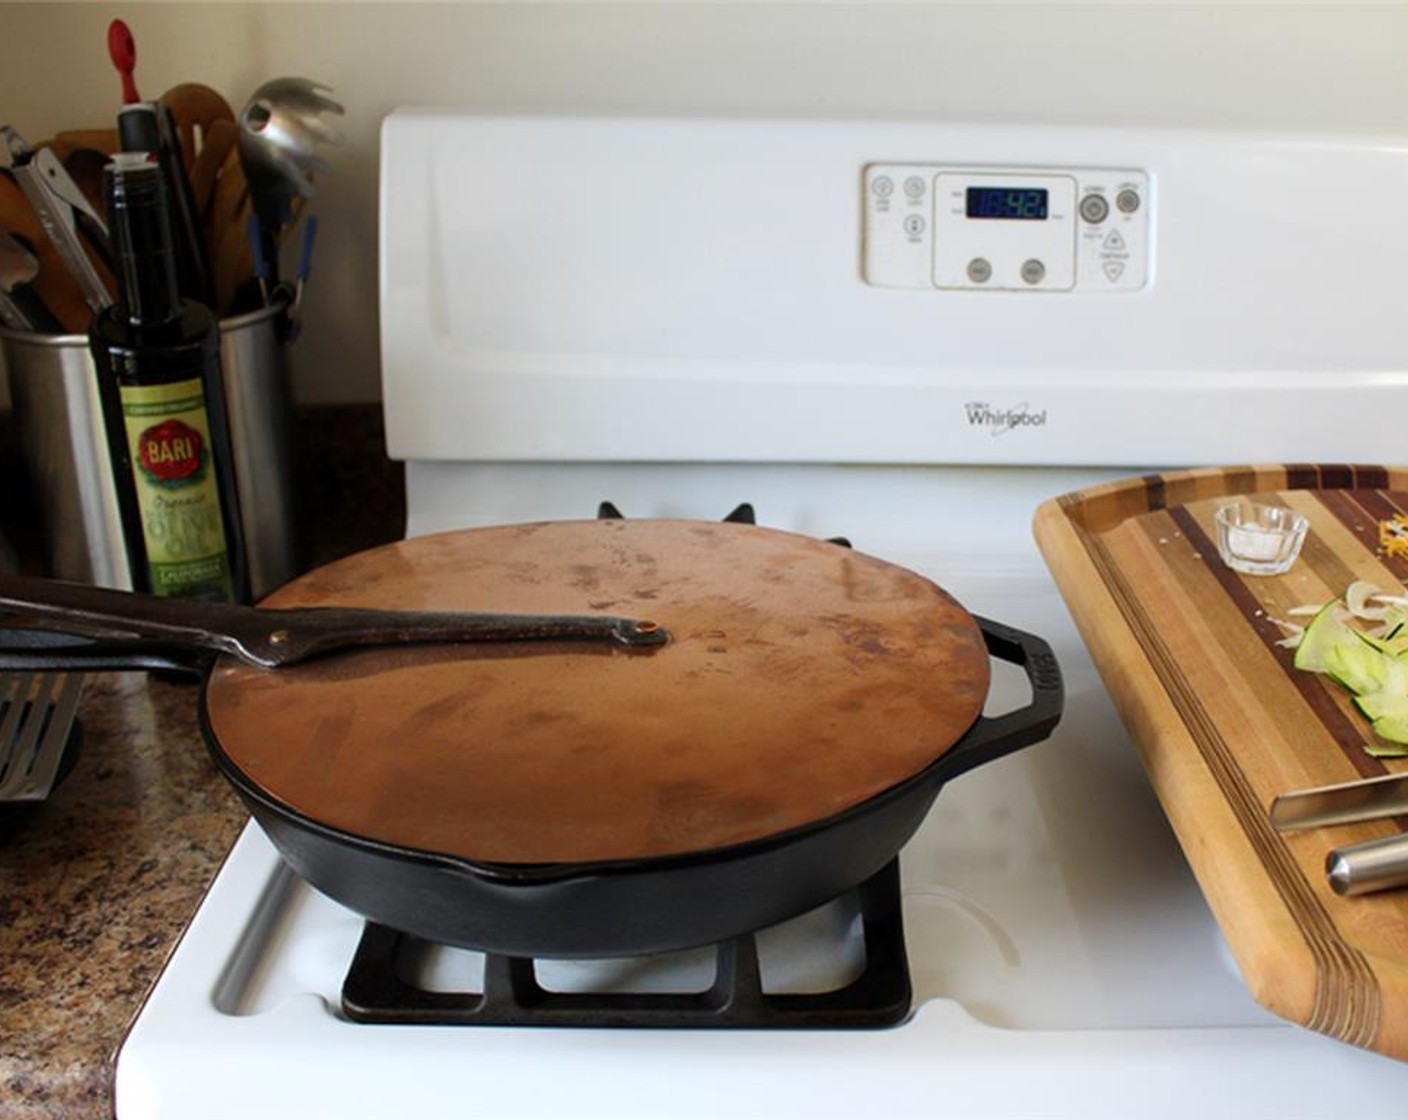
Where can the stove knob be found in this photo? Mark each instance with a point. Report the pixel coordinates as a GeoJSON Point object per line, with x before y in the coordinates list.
{"type": "Point", "coordinates": [1094, 209]}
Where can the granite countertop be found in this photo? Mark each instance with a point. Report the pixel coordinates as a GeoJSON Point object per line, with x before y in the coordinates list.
{"type": "Point", "coordinates": [98, 882]}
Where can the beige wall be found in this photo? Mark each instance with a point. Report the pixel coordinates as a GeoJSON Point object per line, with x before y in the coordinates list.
{"type": "Point", "coordinates": [1310, 67]}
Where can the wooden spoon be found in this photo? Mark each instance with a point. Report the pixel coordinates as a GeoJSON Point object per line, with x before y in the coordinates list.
{"type": "Point", "coordinates": [103, 140]}
{"type": "Point", "coordinates": [212, 157]}
{"type": "Point", "coordinates": [224, 220]}
{"type": "Point", "coordinates": [196, 110]}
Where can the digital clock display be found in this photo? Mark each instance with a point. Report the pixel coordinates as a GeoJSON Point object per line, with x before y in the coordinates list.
{"type": "Point", "coordinates": [1019, 203]}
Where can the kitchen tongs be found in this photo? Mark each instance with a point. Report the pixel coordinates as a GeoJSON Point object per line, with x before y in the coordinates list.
{"type": "Point", "coordinates": [74, 627]}
{"type": "Point", "coordinates": [67, 216]}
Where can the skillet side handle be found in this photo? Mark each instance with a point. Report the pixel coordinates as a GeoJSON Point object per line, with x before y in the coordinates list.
{"type": "Point", "coordinates": [992, 737]}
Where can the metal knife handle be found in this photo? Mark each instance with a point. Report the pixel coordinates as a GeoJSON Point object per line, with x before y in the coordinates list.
{"type": "Point", "coordinates": [275, 638]}
{"type": "Point", "coordinates": [1376, 865]}
{"type": "Point", "coordinates": [1346, 803]}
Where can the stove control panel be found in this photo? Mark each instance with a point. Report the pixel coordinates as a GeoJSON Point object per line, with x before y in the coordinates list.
{"type": "Point", "coordinates": [1006, 229]}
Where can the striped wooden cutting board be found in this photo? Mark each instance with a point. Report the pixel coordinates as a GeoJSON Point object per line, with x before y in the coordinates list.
{"type": "Point", "coordinates": [1224, 722]}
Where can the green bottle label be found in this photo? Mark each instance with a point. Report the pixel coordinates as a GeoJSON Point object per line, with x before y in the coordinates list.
{"type": "Point", "coordinates": [168, 436]}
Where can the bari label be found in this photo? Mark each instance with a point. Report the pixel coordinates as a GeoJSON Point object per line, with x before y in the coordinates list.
{"type": "Point", "coordinates": [171, 453]}
{"type": "Point", "coordinates": [168, 436]}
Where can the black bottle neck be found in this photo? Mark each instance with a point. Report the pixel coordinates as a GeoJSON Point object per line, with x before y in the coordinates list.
{"type": "Point", "coordinates": [139, 221]}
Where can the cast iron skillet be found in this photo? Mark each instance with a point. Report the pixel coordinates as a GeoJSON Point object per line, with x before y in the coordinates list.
{"type": "Point", "coordinates": [624, 896]}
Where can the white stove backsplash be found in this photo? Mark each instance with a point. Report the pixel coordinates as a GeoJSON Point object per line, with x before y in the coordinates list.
{"type": "Point", "coordinates": [634, 289]}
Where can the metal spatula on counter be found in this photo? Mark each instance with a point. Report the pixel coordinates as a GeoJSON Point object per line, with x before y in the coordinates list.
{"type": "Point", "coordinates": [37, 726]}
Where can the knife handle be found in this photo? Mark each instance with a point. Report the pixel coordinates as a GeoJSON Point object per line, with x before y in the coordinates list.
{"type": "Point", "coordinates": [1367, 799]}
{"type": "Point", "coordinates": [1376, 865]}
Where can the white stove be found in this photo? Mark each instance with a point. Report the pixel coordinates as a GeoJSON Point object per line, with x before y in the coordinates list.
{"type": "Point", "coordinates": [681, 315]}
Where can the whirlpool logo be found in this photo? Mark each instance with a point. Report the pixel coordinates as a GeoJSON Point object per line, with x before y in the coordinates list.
{"type": "Point", "coordinates": [999, 421]}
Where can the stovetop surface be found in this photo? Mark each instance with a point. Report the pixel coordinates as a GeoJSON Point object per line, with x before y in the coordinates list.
{"type": "Point", "coordinates": [1062, 958]}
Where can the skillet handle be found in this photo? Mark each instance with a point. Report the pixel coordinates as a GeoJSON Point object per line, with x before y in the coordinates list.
{"type": "Point", "coordinates": [271, 638]}
{"type": "Point", "coordinates": [45, 651]}
{"type": "Point", "coordinates": [992, 737]}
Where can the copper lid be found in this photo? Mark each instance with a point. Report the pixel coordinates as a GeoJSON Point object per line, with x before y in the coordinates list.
{"type": "Point", "coordinates": [802, 679]}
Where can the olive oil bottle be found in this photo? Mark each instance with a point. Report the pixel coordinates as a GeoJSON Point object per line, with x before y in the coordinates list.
{"type": "Point", "coordinates": [158, 365]}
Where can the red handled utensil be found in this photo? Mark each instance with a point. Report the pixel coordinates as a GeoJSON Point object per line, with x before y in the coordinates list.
{"type": "Point", "coordinates": [122, 49]}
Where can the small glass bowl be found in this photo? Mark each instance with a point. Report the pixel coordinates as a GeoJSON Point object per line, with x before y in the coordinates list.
{"type": "Point", "coordinates": [1257, 539]}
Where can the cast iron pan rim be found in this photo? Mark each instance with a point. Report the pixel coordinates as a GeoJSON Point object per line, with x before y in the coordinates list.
{"type": "Point", "coordinates": [533, 874]}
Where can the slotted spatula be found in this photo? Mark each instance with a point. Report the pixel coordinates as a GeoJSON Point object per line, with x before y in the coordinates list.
{"type": "Point", "coordinates": [36, 722]}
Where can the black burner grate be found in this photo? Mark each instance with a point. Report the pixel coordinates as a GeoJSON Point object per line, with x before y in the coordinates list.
{"type": "Point", "coordinates": [376, 991]}
{"type": "Point", "coordinates": [741, 514]}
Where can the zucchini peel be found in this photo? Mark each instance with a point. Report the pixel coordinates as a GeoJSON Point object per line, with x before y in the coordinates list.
{"type": "Point", "coordinates": [1371, 664]}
